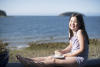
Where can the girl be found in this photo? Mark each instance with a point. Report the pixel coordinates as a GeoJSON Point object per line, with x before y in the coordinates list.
{"type": "Point", "coordinates": [75, 54]}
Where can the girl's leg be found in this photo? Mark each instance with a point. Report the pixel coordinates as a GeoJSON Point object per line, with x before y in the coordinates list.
{"type": "Point", "coordinates": [21, 60]}
{"type": "Point", "coordinates": [47, 61]}
{"type": "Point", "coordinates": [67, 62]}
{"type": "Point", "coordinates": [27, 62]}
{"type": "Point", "coordinates": [39, 59]}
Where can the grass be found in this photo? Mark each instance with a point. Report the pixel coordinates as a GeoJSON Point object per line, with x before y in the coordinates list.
{"type": "Point", "coordinates": [94, 48]}
{"type": "Point", "coordinates": [46, 49]}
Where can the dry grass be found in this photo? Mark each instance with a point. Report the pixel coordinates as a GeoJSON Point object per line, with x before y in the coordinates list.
{"type": "Point", "coordinates": [94, 48]}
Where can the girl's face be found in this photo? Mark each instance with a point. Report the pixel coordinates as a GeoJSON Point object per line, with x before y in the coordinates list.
{"type": "Point", "coordinates": [73, 25]}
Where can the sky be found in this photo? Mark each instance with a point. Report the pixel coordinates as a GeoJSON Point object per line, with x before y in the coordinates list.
{"type": "Point", "coordinates": [50, 7]}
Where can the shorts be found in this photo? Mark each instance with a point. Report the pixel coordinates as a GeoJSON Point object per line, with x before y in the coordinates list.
{"type": "Point", "coordinates": [81, 61]}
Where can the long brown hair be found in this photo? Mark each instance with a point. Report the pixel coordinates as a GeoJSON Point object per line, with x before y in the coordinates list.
{"type": "Point", "coordinates": [80, 21]}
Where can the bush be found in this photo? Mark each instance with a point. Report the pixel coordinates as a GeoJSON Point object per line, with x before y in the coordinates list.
{"type": "Point", "coordinates": [4, 54]}
{"type": "Point", "coordinates": [3, 47]}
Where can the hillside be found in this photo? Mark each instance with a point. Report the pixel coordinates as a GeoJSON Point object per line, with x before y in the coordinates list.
{"type": "Point", "coordinates": [68, 13]}
{"type": "Point", "coordinates": [2, 13]}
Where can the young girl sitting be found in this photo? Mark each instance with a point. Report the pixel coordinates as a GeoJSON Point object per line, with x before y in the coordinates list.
{"type": "Point", "coordinates": [75, 54]}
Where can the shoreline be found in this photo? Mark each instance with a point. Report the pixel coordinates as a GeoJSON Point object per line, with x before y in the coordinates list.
{"type": "Point", "coordinates": [26, 45]}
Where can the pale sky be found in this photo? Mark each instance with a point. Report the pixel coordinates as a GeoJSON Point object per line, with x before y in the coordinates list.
{"type": "Point", "coordinates": [49, 7]}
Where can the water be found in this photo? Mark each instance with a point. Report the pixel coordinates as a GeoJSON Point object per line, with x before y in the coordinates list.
{"type": "Point", "coordinates": [20, 30]}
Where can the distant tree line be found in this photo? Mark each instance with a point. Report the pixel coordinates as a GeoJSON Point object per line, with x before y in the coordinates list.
{"type": "Point", "coordinates": [2, 13]}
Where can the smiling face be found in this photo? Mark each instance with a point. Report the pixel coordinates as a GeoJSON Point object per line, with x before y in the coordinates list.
{"type": "Point", "coordinates": [73, 24]}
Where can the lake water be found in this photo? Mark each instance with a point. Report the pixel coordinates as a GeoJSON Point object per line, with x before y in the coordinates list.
{"type": "Point", "coordinates": [20, 30]}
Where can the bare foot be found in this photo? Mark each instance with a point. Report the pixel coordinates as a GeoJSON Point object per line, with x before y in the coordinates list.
{"type": "Point", "coordinates": [27, 62]}
{"type": "Point", "coordinates": [21, 59]}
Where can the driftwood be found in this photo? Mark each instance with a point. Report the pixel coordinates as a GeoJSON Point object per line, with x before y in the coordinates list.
{"type": "Point", "coordinates": [90, 63]}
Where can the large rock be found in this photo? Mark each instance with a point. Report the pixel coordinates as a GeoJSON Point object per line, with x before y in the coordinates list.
{"type": "Point", "coordinates": [2, 13]}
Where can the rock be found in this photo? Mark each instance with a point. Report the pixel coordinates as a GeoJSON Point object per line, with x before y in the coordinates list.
{"type": "Point", "coordinates": [2, 13]}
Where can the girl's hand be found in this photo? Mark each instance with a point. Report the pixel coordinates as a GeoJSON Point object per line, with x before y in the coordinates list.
{"type": "Point", "coordinates": [67, 55]}
{"type": "Point", "coordinates": [61, 51]}
{"type": "Point", "coordinates": [58, 51]}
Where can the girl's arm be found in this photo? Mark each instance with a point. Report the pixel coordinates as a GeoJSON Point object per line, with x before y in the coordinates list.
{"type": "Point", "coordinates": [81, 42]}
{"type": "Point", "coordinates": [67, 49]}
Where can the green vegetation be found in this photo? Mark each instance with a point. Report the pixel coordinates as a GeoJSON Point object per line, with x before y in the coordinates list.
{"type": "Point", "coordinates": [46, 49]}
{"type": "Point", "coordinates": [3, 47]}
{"type": "Point", "coordinates": [94, 48]}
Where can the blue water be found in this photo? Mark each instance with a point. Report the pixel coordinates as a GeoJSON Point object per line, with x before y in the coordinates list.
{"type": "Point", "coordinates": [20, 30]}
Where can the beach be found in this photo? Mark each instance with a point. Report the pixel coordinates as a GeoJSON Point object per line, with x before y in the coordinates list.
{"type": "Point", "coordinates": [47, 49]}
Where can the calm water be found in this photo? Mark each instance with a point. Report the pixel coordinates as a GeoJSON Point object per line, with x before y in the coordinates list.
{"type": "Point", "coordinates": [20, 30]}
